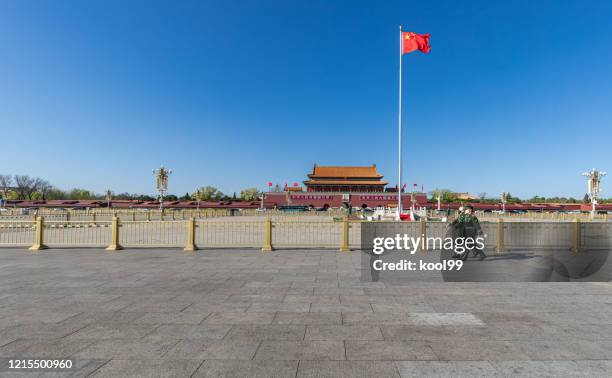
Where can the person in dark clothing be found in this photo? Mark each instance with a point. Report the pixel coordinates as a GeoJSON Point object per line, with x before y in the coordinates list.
{"type": "Point", "coordinates": [467, 226]}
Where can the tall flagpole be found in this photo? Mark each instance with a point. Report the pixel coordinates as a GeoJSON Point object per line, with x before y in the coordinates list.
{"type": "Point", "coordinates": [399, 128]}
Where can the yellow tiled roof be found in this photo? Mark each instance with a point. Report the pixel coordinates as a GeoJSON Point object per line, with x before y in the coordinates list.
{"type": "Point", "coordinates": [344, 172]}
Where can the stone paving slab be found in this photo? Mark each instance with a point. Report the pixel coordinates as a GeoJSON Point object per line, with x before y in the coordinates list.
{"type": "Point", "coordinates": [206, 332]}
{"type": "Point", "coordinates": [243, 313]}
{"type": "Point", "coordinates": [256, 368]}
{"type": "Point", "coordinates": [308, 318]}
{"type": "Point", "coordinates": [342, 332]}
{"type": "Point", "coordinates": [230, 349]}
{"type": "Point", "coordinates": [563, 368]}
{"type": "Point", "coordinates": [347, 369]}
{"type": "Point", "coordinates": [147, 368]}
{"type": "Point", "coordinates": [171, 318]}
{"type": "Point", "coordinates": [125, 349]}
{"type": "Point", "coordinates": [267, 332]}
{"type": "Point", "coordinates": [301, 350]}
{"type": "Point", "coordinates": [389, 350]}
{"type": "Point", "coordinates": [419, 369]}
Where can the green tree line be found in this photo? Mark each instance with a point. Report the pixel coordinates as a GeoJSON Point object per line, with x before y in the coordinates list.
{"type": "Point", "coordinates": [449, 196]}
{"type": "Point", "coordinates": [24, 187]}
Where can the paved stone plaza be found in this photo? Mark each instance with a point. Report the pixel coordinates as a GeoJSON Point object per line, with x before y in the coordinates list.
{"type": "Point", "coordinates": [304, 313]}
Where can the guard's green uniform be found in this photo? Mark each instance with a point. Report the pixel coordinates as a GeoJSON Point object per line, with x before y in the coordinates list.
{"type": "Point", "coordinates": [468, 220]}
{"type": "Point", "coordinates": [469, 227]}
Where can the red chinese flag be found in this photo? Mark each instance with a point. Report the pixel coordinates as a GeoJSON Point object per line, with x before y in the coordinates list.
{"type": "Point", "coordinates": [413, 41]}
{"type": "Point", "coordinates": [269, 183]}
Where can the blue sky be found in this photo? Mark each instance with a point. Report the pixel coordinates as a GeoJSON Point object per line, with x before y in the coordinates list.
{"type": "Point", "coordinates": [234, 94]}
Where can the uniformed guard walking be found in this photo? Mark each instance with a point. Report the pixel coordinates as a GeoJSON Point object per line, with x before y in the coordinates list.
{"type": "Point", "coordinates": [467, 226]}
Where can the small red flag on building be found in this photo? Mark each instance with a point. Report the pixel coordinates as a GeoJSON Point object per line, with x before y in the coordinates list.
{"type": "Point", "coordinates": [413, 41]}
{"type": "Point", "coordinates": [295, 184]}
{"type": "Point", "coordinates": [269, 183]}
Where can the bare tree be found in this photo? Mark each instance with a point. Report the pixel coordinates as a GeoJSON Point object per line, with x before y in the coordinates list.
{"type": "Point", "coordinates": [43, 187]}
{"type": "Point", "coordinates": [24, 186]}
{"type": "Point", "coordinates": [6, 181]}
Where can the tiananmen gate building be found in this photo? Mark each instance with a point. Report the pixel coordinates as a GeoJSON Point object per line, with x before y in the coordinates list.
{"type": "Point", "coordinates": [345, 179]}
{"type": "Point", "coordinates": [338, 186]}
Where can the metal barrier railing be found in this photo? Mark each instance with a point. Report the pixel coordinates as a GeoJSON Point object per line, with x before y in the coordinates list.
{"type": "Point", "coordinates": [152, 234]}
{"type": "Point", "coordinates": [186, 213]}
{"type": "Point", "coordinates": [533, 216]}
{"type": "Point", "coordinates": [211, 234]}
{"type": "Point", "coordinates": [76, 233]}
{"type": "Point", "coordinates": [17, 233]}
{"type": "Point", "coordinates": [306, 234]}
{"type": "Point", "coordinates": [538, 234]}
{"type": "Point", "coordinates": [269, 234]}
{"type": "Point", "coordinates": [596, 235]}
{"type": "Point", "coordinates": [107, 214]}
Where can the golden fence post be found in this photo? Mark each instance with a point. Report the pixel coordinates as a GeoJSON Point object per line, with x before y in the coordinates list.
{"type": "Point", "coordinates": [267, 247]}
{"type": "Point", "coordinates": [499, 237]}
{"type": "Point", "coordinates": [173, 214]}
{"type": "Point", "coordinates": [344, 247]}
{"type": "Point", "coordinates": [422, 233]}
{"type": "Point", "coordinates": [577, 247]}
{"type": "Point", "coordinates": [190, 246]}
{"type": "Point", "coordinates": [68, 216]}
{"type": "Point", "coordinates": [133, 216]}
{"type": "Point", "coordinates": [39, 243]}
{"type": "Point", "coordinates": [149, 215]}
{"type": "Point", "coordinates": [93, 217]}
{"type": "Point", "coordinates": [114, 246]}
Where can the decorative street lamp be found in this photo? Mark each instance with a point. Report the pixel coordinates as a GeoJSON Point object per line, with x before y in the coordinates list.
{"type": "Point", "coordinates": [439, 198]}
{"type": "Point", "coordinates": [198, 197]}
{"type": "Point", "coordinates": [594, 186]}
{"type": "Point", "coordinates": [504, 199]}
{"type": "Point", "coordinates": [161, 176]}
{"type": "Point", "coordinates": [412, 201]}
{"type": "Point", "coordinates": [261, 205]}
{"type": "Point", "coordinates": [109, 198]}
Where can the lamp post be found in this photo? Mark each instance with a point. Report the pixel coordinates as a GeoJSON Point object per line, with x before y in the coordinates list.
{"type": "Point", "coordinates": [504, 199]}
{"type": "Point", "coordinates": [262, 195]}
{"type": "Point", "coordinates": [198, 197]}
{"type": "Point", "coordinates": [439, 198]}
{"type": "Point", "coordinates": [413, 199]}
{"type": "Point", "coordinates": [109, 198]}
{"type": "Point", "coordinates": [594, 186]}
{"type": "Point", "coordinates": [161, 176]}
